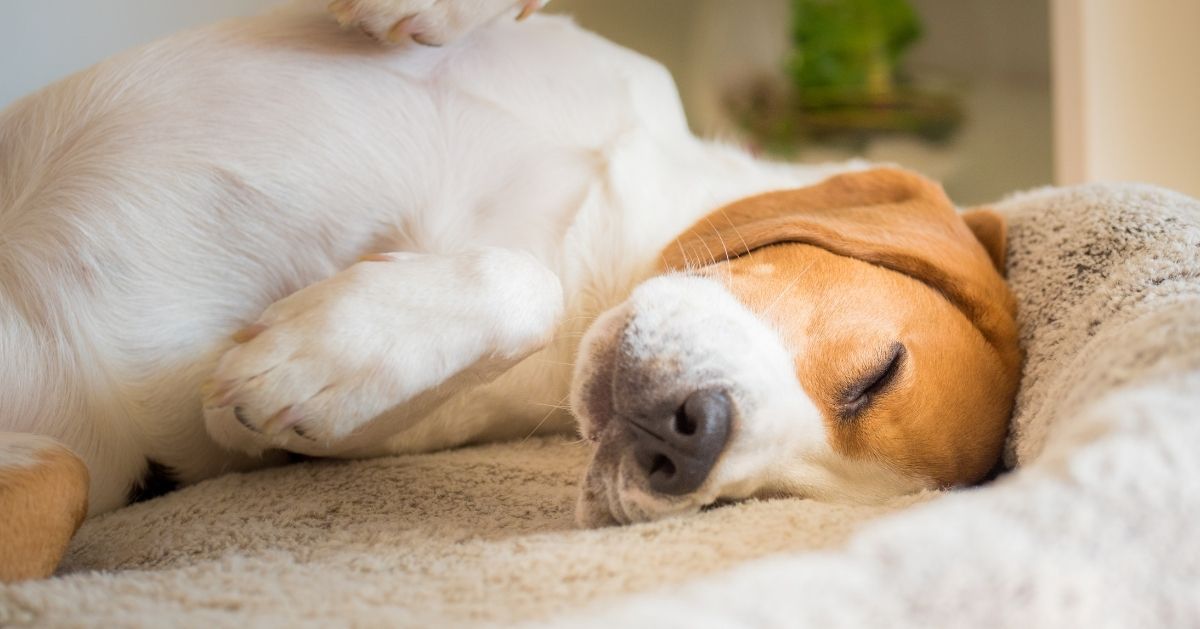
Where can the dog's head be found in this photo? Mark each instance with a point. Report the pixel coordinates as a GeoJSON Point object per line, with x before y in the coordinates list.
{"type": "Point", "coordinates": [853, 340]}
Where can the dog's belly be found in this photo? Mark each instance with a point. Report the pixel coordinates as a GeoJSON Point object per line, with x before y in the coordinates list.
{"type": "Point", "coordinates": [157, 203]}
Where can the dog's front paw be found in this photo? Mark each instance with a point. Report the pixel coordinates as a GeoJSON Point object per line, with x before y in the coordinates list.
{"type": "Point", "coordinates": [326, 361]}
{"type": "Point", "coordinates": [427, 22]}
{"type": "Point", "coordinates": [316, 366]}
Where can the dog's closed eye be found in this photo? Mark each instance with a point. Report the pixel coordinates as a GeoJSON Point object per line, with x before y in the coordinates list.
{"type": "Point", "coordinates": [859, 396]}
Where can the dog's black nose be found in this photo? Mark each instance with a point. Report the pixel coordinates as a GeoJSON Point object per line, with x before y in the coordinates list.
{"type": "Point", "coordinates": [678, 451]}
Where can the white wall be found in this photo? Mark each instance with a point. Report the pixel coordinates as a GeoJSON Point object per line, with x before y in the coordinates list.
{"type": "Point", "coordinates": [44, 40]}
{"type": "Point", "coordinates": [1127, 90]}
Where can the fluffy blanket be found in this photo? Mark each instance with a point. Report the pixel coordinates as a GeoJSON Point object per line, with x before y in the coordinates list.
{"type": "Point", "coordinates": [1097, 526]}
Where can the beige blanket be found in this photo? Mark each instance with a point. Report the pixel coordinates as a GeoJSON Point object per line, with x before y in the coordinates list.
{"type": "Point", "coordinates": [1097, 527]}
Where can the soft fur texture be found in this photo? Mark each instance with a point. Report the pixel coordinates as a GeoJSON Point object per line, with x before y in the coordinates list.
{"type": "Point", "coordinates": [1096, 527]}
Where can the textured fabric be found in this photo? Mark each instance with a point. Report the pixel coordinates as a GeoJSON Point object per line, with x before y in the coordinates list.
{"type": "Point", "coordinates": [1095, 528]}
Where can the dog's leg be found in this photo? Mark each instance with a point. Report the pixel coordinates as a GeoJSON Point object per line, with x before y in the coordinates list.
{"type": "Point", "coordinates": [43, 500]}
{"type": "Point", "coordinates": [426, 22]}
{"type": "Point", "coordinates": [325, 361]}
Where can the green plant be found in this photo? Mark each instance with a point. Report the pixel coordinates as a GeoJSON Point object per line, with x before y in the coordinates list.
{"type": "Point", "coordinates": [845, 81]}
{"type": "Point", "coordinates": [850, 47]}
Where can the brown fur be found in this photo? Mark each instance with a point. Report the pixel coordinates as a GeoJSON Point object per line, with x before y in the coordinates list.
{"type": "Point", "coordinates": [42, 505]}
{"type": "Point", "coordinates": [845, 269]}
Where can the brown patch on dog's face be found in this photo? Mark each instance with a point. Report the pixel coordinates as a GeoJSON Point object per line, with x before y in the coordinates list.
{"type": "Point", "coordinates": [899, 374]}
{"type": "Point", "coordinates": [893, 306]}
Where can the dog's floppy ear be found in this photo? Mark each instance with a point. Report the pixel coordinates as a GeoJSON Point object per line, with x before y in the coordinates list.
{"type": "Point", "coordinates": [889, 217]}
{"type": "Point", "coordinates": [991, 230]}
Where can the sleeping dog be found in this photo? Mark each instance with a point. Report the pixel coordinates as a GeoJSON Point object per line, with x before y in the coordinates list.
{"type": "Point", "coordinates": [275, 235]}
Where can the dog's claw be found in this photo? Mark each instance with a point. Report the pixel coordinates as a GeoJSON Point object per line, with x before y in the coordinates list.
{"type": "Point", "coordinates": [241, 418]}
{"type": "Point", "coordinates": [300, 432]}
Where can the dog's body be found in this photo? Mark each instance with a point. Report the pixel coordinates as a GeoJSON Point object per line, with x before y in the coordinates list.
{"type": "Point", "coordinates": [255, 158]}
{"type": "Point", "coordinates": [507, 190]}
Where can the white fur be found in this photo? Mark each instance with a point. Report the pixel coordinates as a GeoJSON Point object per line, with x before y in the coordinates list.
{"type": "Point", "coordinates": [153, 205]}
{"type": "Point", "coordinates": [345, 351]}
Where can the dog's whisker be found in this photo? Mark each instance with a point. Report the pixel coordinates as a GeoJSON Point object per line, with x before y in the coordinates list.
{"type": "Point", "coordinates": [554, 407]}
{"type": "Point", "coordinates": [561, 407]}
{"type": "Point", "coordinates": [717, 263]}
{"type": "Point", "coordinates": [736, 231]}
{"type": "Point", "coordinates": [775, 302]}
{"type": "Point", "coordinates": [689, 267]}
{"type": "Point", "coordinates": [547, 361]}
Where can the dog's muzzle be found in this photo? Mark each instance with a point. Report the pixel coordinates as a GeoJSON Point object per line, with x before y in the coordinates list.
{"type": "Point", "coordinates": [663, 386]}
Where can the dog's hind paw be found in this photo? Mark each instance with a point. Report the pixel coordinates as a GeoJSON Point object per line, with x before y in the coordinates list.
{"type": "Point", "coordinates": [426, 22]}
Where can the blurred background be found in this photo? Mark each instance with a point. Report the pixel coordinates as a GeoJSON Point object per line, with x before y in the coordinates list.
{"type": "Point", "coordinates": [989, 59]}
{"type": "Point", "coordinates": [42, 41]}
{"type": "Point", "coordinates": [988, 96]}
